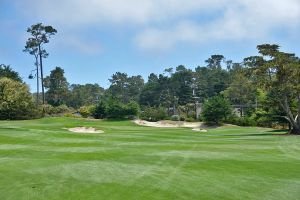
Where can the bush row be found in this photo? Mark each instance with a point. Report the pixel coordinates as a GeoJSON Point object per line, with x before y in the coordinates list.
{"type": "Point", "coordinates": [110, 109]}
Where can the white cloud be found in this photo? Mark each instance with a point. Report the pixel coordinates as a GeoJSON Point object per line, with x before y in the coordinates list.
{"type": "Point", "coordinates": [75, 12]}
{"type": "Point", "coordinates": [162, 24]}
{"type": "Point", "coordinates": [248, 19]}
{"type": "Point", "coordinates": [164, 39]}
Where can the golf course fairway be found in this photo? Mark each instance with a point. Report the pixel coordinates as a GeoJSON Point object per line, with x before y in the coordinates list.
{"type": "Point", "coordinates": [42, 160]}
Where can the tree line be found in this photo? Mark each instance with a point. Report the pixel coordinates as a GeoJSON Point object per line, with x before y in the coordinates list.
{"type": "Point", "coordinates": [266, 87]}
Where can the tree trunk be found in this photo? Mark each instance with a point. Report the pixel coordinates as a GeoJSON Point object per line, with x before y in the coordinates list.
{"type": "Point", "coordinates": [37, 80]}
{"type": "Point", "coordinates": [294, 121]}
{"type": "Point", "coordinates": [295, 131]}
{"type": "Point", "coordinates": [42, 76]}
{"type": "Point", "coordinates": [298, 117]}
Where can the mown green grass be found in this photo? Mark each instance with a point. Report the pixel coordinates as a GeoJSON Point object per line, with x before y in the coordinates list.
{"type": "Point", "coordinates": [41, 160]}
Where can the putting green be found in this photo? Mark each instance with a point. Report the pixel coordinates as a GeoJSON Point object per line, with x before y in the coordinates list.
{"type": "Point", "coordinates": [41, 160]}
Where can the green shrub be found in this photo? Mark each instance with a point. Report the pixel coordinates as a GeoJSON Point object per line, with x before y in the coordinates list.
{"type": "Point", "coordinates": [264, 121]}
{"type": "Point", "coordinates": [15, 100]}
{"type": "Point", "coordinates": [190, 119]}
{"type": "Point", "coordinates": [182, 118]}
{"type": "Point", "coordinates": [175, 118]}
{"type": "Point", "coordinates": [71, 115]}
{"type": "Point", "coordinates": [153, 114]}
{"type": "Point", "coordinates": [47, 109]}
{"type": "Point", "coordinates": [192, 114]}
{"type": "Point", "coordinates": [241, 121]}
{"type": "Point", "coordinates": [115, 109]}
{"type": "Point", "coordinates": [132, 109]}
{"type": "Point", "coordinates": [263, 118]}
{"type": "Point", "coordinates": [86, 111]}
{"type": "Point", "coordinates": [246, 121]}
{"type": "Point", "coordinates": [62, 109]}
{"type": "Point", "coordinates": [99, 111]}
{"type": "Point", "coordinates": [216, 110]}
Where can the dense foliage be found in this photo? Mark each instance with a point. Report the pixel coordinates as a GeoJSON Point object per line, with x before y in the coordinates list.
{"type": "Point", "coordinates": [110, 109]}
{"type": "Point", "coordinates": [99, 110]}
{"type": "Point", "coordinates": [49, 110]}
{"type": "Point", "coordinates": [153, 114]}
{"type": "Point", "coordinates": [8, 72]}
{"type": "Point", "coordinates": [117, 109]}
{"type": "Point", "coordinates": [15, 100]}
{"type": "Point", "coordinates": [124, 88]}
{"type": "Point", "coordinates": [278, 73]}
{"type": "Point", "coordinates": [216, 109]}
{"type": "Point", "coordinates": [83, 95]}
{"type": "Point", "coordinates": [57, 86]}
{"type": "Point", "coordinates": [262, 90]}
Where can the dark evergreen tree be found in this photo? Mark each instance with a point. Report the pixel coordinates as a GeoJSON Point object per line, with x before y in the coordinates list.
{"type": "Point", "coordinates": [57, 86]}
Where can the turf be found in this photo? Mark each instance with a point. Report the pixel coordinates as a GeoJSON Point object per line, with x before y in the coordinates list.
{"type": "Point", "coordinates": [39, 160]}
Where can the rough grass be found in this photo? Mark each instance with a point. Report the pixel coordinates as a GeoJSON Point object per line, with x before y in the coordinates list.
{"type": "Point", "coordinates": [40, 160]}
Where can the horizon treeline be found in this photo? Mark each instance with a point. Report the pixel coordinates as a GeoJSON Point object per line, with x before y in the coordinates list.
{"type": "Point", "coordinates": [179, 85]}
{"type": "Point", "coordinates": [265, 87]}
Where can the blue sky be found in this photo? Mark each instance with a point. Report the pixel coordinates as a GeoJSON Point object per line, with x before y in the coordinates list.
{"type": "Point", "coordinates": [97, 38]}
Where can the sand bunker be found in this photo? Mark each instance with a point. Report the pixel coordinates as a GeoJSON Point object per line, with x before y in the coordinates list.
{"type": "Point", "coordinates": [196, 126]}
{"type": "Point", "coordinates": [84, 130]}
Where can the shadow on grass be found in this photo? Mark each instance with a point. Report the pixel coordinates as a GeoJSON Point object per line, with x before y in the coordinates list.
{"type": "Point", "coordinates": [268, 133]}
{"type": "Point", "coordinates": [279, 131]}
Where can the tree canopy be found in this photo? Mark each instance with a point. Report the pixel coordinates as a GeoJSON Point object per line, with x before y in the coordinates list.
{"type": "Point", "coordinates": [57, 86]}
{"type": "Point", "coordinates": [40, 35]}
{"type": "Point", "coordinates": [216, 109]}
{"type": "Point", "coordinates": [278, 73]}
{"type": "Point", "coordinates": [15, 100]}
{"type": "Point", "coordinates": [8, 72]}
{"type": "Point", "coordinates": [265, 87]}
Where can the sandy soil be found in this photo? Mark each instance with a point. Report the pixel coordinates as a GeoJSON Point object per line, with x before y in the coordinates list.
{"type": "Point", "coordinates": [168, 124]}
{"type": "Point", "coordinates": [84, 130]}
{"type": "Point", "coordinates": [196, 126]}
